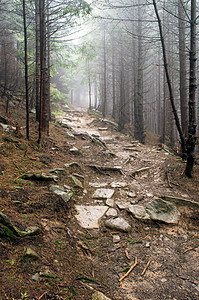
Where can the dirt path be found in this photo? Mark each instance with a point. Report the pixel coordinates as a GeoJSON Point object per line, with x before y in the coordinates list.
{"type": "Point", "coordinates": [170, 254]}
{"type": "Point", "coordinates": [78, 252]}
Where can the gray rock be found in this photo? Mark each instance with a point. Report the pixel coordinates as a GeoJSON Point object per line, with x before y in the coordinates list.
{"type": "Point", "coordinates": [139, 212]}
{"type": "Point", "coordinates": [160, 210]}
{"type": "Point", "coordinates": [103, 194]}
{"type": "Point", "coordinates": [123, 205]}
{"type": "Point", "coordinates": [89, 216]}
{"type": "Point", "coordinates": [98, 185]}
{"type": "Point", "coordinates": [36, 277]}
{"type": "Point", "coordinates": [118, 184]}
{"type": "Point", "coordinates": [111, 212]}
{"type": "Point", "coordinates": [118, 224]}
{"type": "Point", "coordinates": [66, 195]}
{"type": "Point", "coordinates": [116, 238]}
{"type": "Point", "coordinates": [30, 254]}
{"type": "Point", "coordinates": [99, 296]}
{"type": "Point", "coordinates": [110, 202]}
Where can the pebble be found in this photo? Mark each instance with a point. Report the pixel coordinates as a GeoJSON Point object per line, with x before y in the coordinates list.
{"type": "Point", "coordinates": [36, 277]}
{"type": "Point", "coordinates": [147, 244]}
{"type": "Point", "coordinates": [116, 238]}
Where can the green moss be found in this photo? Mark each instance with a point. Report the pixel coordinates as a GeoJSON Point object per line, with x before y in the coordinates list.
{"type": "Point", "coordinates": [6, 233]}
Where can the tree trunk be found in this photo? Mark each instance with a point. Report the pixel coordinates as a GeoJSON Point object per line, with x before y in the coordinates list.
{"type": "Point", "coordinates": [183, 145]}
{"type": "Point", "coordinates": [26, 69]}
{"type": "Point", "coordinates": [113, 82]}
{"type": "Point", "coordinates": [37, 63]}
{"type": "Point", "coordinates": [191, 142]}
{"type": "Point", "coordinates": [182, 58]}
{"type": "Point", "coordinates": [121, 121]}
{"type": "Point", "coordinates": [139, 127]}
{"type": "Point", "coordinates": [104, 81]}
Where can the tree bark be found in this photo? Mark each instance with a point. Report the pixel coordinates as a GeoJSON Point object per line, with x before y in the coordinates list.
{"type": "Point", "coordinates": [26, 69]}
{"type": "Point", "coordinates": [104, 81]}
{"type": "Point", "coordinates": [182, 58]}
{"type": "Point", "coordinates": [37, 63]}
{"type": "Point", "coordinates": [139, 127]}
{"type": "Point", "coordinates": [191, 142]}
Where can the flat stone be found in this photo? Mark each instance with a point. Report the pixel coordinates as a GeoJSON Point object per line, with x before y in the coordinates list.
{"type": "Point", "coordinates": [139, 212]}
{"type": "Point", "coordinates": [160, 210]}
{"type": "Point", "coordinates": [118, 224]}
{"type": "Point", "coordinates": [99, 296]}
{"type": "Point", "coordinates": [123, 205]}
{"type": "Point", "coordinates": [118, 184]}
{"type": "Point", "coordinates": [65, 195]}
{"type": "Point", "coordinates": [111, 212]}
{"type": "Point", "coordinates": [110, 202]}
{"type": "Point", "coordinates": [89, 216]}
{"type": "Point", "coordinates": [98, 184]}
{"type": "Point", "coordinates": [103, 194]}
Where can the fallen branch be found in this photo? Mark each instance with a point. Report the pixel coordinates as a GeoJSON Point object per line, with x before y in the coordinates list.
{"type": "Point", "coordinates": [144, 271]}
{"type": "Point", "coordinates": [131, 268]}
{"type": "Point", "coordinates": [140, 171]}
{"type": "Point", "coordinates": [127, 255]}
{"type": "Point", "coordinates": [188, 250]}
{"type": "Point", "coordinates": [42, 296]}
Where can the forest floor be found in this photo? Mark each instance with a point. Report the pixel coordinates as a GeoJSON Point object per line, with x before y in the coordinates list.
{"type": "Point", "coordinates": [74, 261]}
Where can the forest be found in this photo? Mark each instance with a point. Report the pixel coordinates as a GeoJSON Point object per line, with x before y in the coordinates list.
{"type": "Point", "coordinates": [99, 156]}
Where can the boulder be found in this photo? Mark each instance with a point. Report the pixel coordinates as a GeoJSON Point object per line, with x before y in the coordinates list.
{"type": "Point", "coordinates": [160, 210]}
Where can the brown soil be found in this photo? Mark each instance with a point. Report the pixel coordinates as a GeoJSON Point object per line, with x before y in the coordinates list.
{"type": "Point", "coordinates": [75, 261]}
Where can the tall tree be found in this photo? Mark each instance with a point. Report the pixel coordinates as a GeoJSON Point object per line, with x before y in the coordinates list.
{"type": "Point", "coordinates": [182, 58]}
{"type": "Point", "coordinates": [26, 69]}
{"type": "Point", "coordinates": [191, 142]}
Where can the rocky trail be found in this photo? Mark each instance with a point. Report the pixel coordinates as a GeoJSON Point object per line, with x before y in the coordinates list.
{"type": "Point", "coordinates": [122, 224]}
